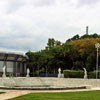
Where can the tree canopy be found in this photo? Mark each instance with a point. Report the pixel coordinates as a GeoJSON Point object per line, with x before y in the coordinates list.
{"type": "Point", "coordinates": [75, 53]}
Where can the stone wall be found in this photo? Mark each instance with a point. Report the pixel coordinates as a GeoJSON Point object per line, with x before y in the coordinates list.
{"type": "Point", "coordinates": [52, 82]}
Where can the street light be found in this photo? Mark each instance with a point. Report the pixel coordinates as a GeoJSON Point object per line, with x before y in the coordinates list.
{"type": "Point", "coordinates": [97, 45]}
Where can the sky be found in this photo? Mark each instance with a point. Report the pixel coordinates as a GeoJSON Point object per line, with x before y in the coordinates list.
{"type": "Point", "coordinates": [27, 24]}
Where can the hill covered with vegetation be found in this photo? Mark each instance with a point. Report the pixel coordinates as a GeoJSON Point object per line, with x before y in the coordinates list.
{"type": "Point", "coordinates": [76, 53]}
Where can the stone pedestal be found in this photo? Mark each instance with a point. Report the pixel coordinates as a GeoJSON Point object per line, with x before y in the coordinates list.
{"type": "Point", "coordinates": [85, 76]}
{"type": "Point", "coordinates": [3, 75]}
{"type": "Point", "coordinates": [60, 75]}
{"type": "Point", "coordinates": [27, 76]}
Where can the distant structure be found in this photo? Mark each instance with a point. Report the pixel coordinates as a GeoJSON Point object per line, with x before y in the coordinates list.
{"type": "Point", "coordinates": [87, 30]}
{"type": "Point", "coordinates": [14, 64]}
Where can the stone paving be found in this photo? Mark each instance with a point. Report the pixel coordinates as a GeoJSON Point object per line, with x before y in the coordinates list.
{"type": "Point", "coordinates": [12, 93]}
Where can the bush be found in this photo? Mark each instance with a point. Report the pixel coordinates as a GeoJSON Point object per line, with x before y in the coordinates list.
{"type": "Point", "coordinates": [93, 74]}
{"type": "Point", "coordinates": [73, 74]}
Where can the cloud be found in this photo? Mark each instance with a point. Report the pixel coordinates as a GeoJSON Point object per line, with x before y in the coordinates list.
{"type": "Point", "coordinates": [87, 2]}
{"type": "Point", "coordinates": [27, 24]}
{"type": "Point", "coordinates": [20, 32]}
{"type": "Point", "coordinates": [44, 2]}
{"type": "Point", "coordinates": [13, 5]}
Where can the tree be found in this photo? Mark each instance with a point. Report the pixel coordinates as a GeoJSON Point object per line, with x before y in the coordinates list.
{"type": "Point", "coordinates": [51, 43]}
{"type": "Point", "coordinates": [75, 54]}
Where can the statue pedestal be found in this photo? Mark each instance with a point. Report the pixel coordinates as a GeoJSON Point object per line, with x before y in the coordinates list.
{"type": "Point", "coordinates": [3, 75]}
{"type": "Point", "coordinates": [85, 76]}
{"type": "Point", "coordinates": [27, 75]}
{"type": "Point", "coordinates": [60, 75]}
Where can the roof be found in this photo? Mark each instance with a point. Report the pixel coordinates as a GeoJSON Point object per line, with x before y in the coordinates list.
{"type": "Point", "coordinates": [15, 57]}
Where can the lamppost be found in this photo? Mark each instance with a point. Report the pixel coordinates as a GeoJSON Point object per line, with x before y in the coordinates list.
{"type": "Point", "coordinates": [97, 45]}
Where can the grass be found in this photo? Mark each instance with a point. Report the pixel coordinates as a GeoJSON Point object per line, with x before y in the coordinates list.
{"type": "Point", "coordinates": [86, 95]}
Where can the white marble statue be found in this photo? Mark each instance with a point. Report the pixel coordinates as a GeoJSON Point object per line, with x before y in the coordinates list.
{"type": "Point", "coordinates": [4, 71]}
{"type": "Point", "coordinates": [85, 73]}
{"type": "Point", "coordinates": [28, 72]}
{"type": "Point", "coordinates": [59, 72]}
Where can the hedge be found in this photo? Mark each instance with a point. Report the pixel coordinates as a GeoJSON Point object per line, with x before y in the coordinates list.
{"type": "Point", "coordinates": [73, 73]}
{"type": "Point", "coordinates": [79, 74]}
{"type": "Point", "coordinates": [93, 74]}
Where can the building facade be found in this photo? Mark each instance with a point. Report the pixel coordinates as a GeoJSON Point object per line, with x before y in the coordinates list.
{"type": "Point", "coordinates": [15, 64]}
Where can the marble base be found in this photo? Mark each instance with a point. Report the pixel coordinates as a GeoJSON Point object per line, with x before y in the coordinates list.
{"type": "Point", "coordinates": [27, 75]}
{"type": "Point", "coordinates": [3, 75]}
{"type": "Point", "coordinates": [60, 75]}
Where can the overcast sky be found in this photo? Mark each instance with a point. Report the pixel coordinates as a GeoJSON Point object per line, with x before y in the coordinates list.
{"type": "Point", "coordinates": [27, 24]}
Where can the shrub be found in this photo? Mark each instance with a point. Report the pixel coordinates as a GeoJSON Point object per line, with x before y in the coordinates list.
{"type": "Point", "coordinates": [93, 74]}
{"type": "Point", "coordinates": [73, 73]}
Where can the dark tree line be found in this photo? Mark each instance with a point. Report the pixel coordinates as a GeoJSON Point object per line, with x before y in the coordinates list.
{"type": "Point", "coordinates": [75, 53]}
